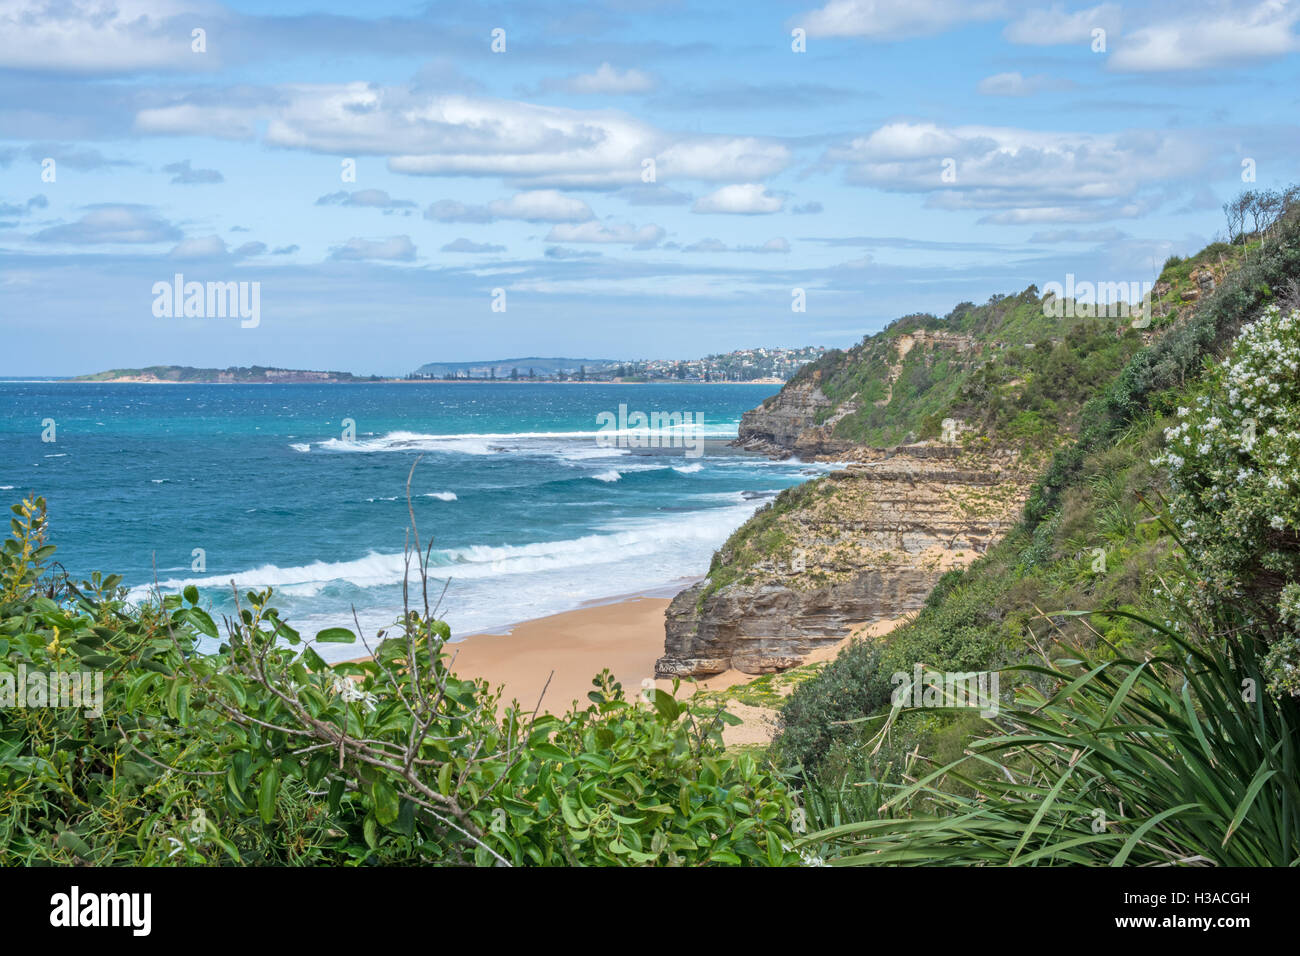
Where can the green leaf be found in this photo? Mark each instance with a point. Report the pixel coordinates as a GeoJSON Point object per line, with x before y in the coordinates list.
{"type": "Point", "coordinates": [386, 808]}
{"type": "Point", "coordinates": [316, 767]}
{"type": "Point", "coordinates": [314, 660]}
{"type": "Point", "coordinates": [74, 844]}
{"type": "Point", "coordinates": [288, 633]}
{"type": "Point", "coordinates": [266, 796]}
{"type": "Point", "coordinates": [335, 635]}
{"type": "Point", "coordinates": [550, 752]}
{"type": "Point", "coordinates": [203, 622]}
{"type": "Point", "coordinates": [191, 594]}
{"type": "Point", "coordinates": [406, 819]}
{"type": "Point", "coordinates": [1262, 776]}
{"type": "Point", "coordinates": [668, 708]}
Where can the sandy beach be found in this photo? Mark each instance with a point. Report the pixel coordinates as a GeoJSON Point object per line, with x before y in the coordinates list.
{"type": "Point", "coordinates": [627, 637]}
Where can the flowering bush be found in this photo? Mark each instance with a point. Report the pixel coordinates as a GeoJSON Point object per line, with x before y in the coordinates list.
{"type": "Point", "coordinates": [1234, 465]}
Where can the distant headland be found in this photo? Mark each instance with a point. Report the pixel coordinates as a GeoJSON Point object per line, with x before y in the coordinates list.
{"type": "Point", "coordinates": [760, 365]}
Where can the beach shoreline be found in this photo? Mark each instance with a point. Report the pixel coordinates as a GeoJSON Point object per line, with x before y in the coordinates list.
{"type": "Point", "coordinates": [548, 663]}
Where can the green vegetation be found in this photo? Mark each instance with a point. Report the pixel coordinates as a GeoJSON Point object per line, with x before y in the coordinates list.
{"type": "Point", "coordinates": [757, 539]}
{"type": "Point", "coordinates": [1003, 368]}
{"type": "Point", "coordinates": [252, 375]}
{"type": "Point", "coordinates": [1124, 762]}
{"type": "Point", "coordinates": [262, 753]}
{"type": "Point", "coordinates": [1152, 647]}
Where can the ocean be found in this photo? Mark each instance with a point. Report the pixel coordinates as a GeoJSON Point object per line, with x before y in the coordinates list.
{"type": "Point", "coordinates": [535, 503]}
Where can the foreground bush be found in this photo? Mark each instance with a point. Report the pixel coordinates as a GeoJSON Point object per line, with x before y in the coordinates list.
{"type": "Point", "coordinates": [262, 753]}
{"type": "Point", "coordinates": [1171, 760]}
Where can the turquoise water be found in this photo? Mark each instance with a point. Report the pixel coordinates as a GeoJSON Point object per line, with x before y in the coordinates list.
{"type": "Point", "coordinates": [530, 512]}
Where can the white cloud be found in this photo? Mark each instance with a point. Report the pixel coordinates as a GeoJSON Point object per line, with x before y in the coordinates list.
{"type": "Point", "coordinates": [775, 245]}
{"type": "Point", "coordinates": [395, 248]}
{"type": "Point", "coordinates": [1033, 175]}
{"type": "Point", "coordinates": [1055, 27]}
{"type": "Point", "coordinates": [898, 142]}
{"type": "Point", "coordinates": [192, 119]}
{"type": "Point", "coordinates": [110, 223]}
{"type": "Point", "coordinates": [208, 247]}
{"type": "Point", "coordinates": [606, 79]}
{"type": "Point", "coordinates": [707, 245]}
{"type": "Point", "coordinates": [468, 246]}
{"type": "Point", "coordinates": [99, 36]}
{"type": "Point", "coordinates": [1015, 84]}
{"type": "Point", "coordinates": [541, 205]}
{"type": "Point", "coordinates": [723, 157]}
{"type": "Point", "coordinates": [623, 233]}
{"type": "Point", "coordinates": [425, 134]}
{"type": "Point", "coordinates": [894, 19]}
{"type": "Point", "coordinates": [451, 210]}
{"type": "Point", "coordinates": [1195, 39]}
{"type": "Point", "coordinates": [1194, 36]}
{"type": "Point", "coordinates": [366, 198]}
{"type": "Point", "coordinates": [1036, 215]}
{"type": "Point", "coordinates": [746, 199]}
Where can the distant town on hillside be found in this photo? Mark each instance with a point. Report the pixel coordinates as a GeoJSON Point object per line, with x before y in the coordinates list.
{"type": "Point", "coordinates": [741, 365]}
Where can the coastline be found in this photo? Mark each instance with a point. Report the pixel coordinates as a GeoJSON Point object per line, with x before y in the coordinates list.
{"type": "Point", "coordinates": [561, 653]}
{"type": "Point", "coordinates": [131, 380]}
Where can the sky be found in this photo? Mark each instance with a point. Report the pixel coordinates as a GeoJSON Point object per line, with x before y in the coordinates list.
{"type": "Point", "coordinates": [407, 183]}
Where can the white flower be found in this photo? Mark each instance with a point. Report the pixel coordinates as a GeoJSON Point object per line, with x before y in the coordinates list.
{"type": "Point", "coordinates": [1277, 524]}
{"type": "Point", "coordinates": [351, 693]}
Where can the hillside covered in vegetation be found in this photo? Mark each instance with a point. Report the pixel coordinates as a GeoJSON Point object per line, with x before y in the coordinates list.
{"type": "Point", "coordinates": [1141, 614]}
{"type": "Point", "coordinates": [235, 375]}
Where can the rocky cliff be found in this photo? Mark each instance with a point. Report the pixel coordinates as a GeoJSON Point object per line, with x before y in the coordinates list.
{"type": "Point", "coordinates": [859, 545]}
{"type": "Point", "coordinates": [787, 424]}
{"type": "Point", "coordinates": [941, 424]}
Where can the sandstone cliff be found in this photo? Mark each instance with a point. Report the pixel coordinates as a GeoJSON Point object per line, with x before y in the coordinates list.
{"type": "Point", "coordinates": [941, 424]}
{"type": "Point", "coordinates": [856, 546]}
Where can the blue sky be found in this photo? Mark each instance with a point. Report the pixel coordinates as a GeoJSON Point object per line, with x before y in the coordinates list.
{"type": "Point", "coordinates": [916, 154]}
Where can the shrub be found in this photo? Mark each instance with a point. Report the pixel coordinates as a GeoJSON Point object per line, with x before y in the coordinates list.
{"type": "Point", "coordinates": [1125, 762]}
{"type": "Point", "coordinates": [263, 753]}
{"type": "Point", "coordinates": [851, 686]}
{"type": "Point", "coordinates": [1234, 464]}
